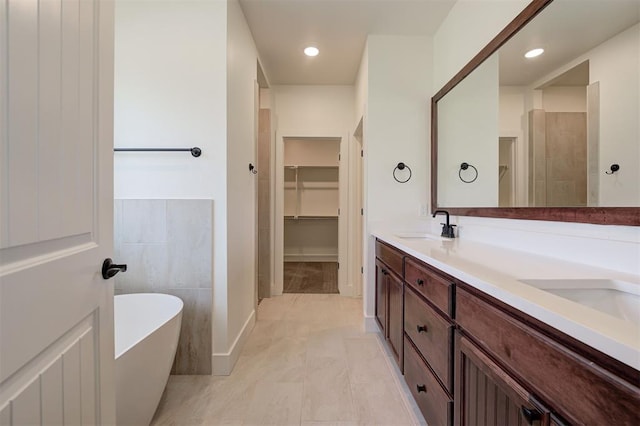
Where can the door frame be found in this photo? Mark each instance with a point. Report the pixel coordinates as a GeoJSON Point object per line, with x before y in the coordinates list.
{"type": "Point", "coordinates": [513, 154]}
{"type": "Point", "coordinates": [345, 285]}
{"type": "Point", "coordinates": [356, 209]}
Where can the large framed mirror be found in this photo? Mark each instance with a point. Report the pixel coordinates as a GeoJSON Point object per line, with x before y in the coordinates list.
{"type": "Point", "coordinates": [552, 137]}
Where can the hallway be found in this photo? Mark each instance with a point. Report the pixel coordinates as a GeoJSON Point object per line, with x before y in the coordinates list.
{"type": "Point", "coordinates": [307, 362]}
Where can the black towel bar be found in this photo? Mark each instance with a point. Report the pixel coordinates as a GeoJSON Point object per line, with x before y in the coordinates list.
{"type": "Point", "coordinates": [195, 151]}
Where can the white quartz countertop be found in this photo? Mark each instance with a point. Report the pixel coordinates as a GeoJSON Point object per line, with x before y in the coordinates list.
{"type": "Point", "coordinates": [497, 271]}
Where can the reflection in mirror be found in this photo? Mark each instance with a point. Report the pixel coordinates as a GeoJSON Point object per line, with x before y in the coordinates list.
{"type": "Point", "coordinates": [543, 131]}
{"type": "Point", "coordinates": [467, 133]}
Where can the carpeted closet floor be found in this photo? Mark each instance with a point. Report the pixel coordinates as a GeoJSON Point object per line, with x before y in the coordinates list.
{"type": "Point", "coordinates": [311, 277]}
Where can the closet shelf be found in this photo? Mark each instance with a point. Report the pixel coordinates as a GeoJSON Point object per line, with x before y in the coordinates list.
{"type": "Point", "coordinates": [310, 167]}
{"type": "Point", "coordinates": [289, 185]}
{"type": "Point", "coordinates": [310, 217]}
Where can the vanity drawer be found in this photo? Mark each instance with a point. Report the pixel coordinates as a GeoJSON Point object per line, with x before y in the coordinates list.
{"type": "Point", "coordinates": [436, 288]}
{"type": "Point", "coordinates": [431, 334]}
{"type": "Point", "coordinates": [433, 401]}
{"type": "Point", "coordinates": [390, 256]}
{"type": "Point", "coordinates": [587, 393]}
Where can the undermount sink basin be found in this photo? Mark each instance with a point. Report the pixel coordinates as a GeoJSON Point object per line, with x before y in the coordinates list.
{"type": "Point", "coordinates": [419, 236]}
{"type": "Point", "coordinates": [617, 298]}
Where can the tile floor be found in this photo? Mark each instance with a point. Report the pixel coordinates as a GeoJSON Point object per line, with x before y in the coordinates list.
{"type": "Point", "coordinates": [307, 362]}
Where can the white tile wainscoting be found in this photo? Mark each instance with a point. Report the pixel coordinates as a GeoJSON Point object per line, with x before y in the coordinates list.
{"type": "Point", "coordinates": [167, 245]}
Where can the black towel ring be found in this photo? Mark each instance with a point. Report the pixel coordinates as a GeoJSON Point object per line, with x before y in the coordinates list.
{"type": "Point", "coordinates": [401, 166]}
{"type": "Point", "coordinates": [465, 166]}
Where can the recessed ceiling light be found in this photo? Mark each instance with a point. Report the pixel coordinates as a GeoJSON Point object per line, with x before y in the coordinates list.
{"type": "Point", "coordinates": [533, 53]}
{"type": "Point", "coordinates": [311, 51]}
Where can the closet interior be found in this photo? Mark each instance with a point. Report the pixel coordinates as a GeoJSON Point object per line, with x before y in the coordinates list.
{"type": "Point", "coordinates": [311, 211]}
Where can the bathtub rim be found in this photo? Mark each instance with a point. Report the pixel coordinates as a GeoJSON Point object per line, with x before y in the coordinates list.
{"type": "Point", "coordinates": [179, 309]}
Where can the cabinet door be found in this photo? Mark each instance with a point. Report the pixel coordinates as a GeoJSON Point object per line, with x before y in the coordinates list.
{"type": "Point", "coordinates": [381, 296]}
{"type": "Point", "coordinates": [488, 395]}
{"type": "Point", "coordinates": [395, 316]}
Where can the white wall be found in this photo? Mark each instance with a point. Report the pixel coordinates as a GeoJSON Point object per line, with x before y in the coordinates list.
{"type": "Point", "coordinates": [184, 76]}
{"type": "Point", "coordinates": [170, 91]}
{"type": "Point", "coordinates": [361, 87]}
{"type": "Point", "coordinates": [396, 129]}
{"type": "Point", "coordinates": [468, 118]}
{"type": "Point", "coordinates": [459, 38]}
{"type": "Point", "coordinates": [397, 125]}
{"type": "Point", "coordinates": [306, 110]}
{"type": "Point", "coordinates": [241, 184]}
{"type": "Point", "coordinates": [616, 65]}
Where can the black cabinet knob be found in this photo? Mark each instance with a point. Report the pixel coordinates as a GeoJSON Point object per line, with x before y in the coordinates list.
{"type": "Point", "coordinates": [530, 414]}
{"type": "Point", "coordinates": [110, 269]}
{"type": "Point", "coordinates": [420, 281]}
{"type": "Point", "coordinates": [422, 328]}
{"type": "Point", "coordinates": [421, 388]}
{"type": "Point", "coordinates": [385, 272]}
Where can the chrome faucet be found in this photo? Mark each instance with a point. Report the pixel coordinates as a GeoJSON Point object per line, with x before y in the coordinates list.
{"type": "Point", "coordinates": [447, 229]}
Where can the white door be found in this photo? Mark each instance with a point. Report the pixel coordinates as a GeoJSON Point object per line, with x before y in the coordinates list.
{"type": "Point", "coordinates": [56, 193]}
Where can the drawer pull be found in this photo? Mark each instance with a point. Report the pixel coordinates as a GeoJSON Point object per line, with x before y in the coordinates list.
{"type": "Point", "coordinates": [423, 388]}
{"type": "Point", "coordinates": [420, 281]}
{"type": "Point", "coordinates": [530, 414]}
{"type": "Point", "coordinates": [422, 328]}
{"type": "Point", "coordinates": [385, 272]}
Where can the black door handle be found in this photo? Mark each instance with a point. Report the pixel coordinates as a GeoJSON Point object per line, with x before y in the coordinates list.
{"type": "Point", "coordinates": [109, 269]}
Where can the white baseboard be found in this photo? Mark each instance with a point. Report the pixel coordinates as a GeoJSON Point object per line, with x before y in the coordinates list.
{"type": "Point", "coordinates": [371, 325]}
{"type": "Point", "coordinates": [223, 363]}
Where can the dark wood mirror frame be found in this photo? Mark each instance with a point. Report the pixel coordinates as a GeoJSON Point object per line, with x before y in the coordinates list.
{"type": "Point", "coordinates": [596, 215]}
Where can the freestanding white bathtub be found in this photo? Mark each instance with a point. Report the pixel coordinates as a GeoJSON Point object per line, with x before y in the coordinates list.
{"type": "Point", "coordinates": [147, 327]}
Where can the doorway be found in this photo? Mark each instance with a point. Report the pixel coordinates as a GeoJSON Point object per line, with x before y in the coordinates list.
{"type": "Point", "coordinates": [311, 215]}
{"type": "Point", "coordinates": [311, 225]}
{"type": "Point", "coordinates": [263, 196]}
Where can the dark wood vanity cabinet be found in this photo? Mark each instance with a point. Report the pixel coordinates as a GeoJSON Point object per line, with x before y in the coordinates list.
{"type": "Point", "coordinates": [487, 395]}
{"type": "Point", "coordinates": [389, 297]}
{"type": "Point", "coordinates": [470, 359]}
{"type": "Point", "coordinates": [579, 384]}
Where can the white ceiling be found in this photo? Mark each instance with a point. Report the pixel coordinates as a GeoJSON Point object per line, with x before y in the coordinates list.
{"type": "Point", "coordinates": [339, 28]}
{"type": "Point", "coordinates": [566, 29]}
